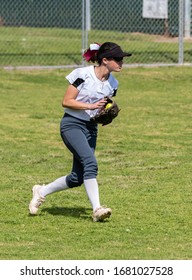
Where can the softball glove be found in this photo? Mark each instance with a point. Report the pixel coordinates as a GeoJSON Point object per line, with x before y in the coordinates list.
{"type": "Point", "coordinates": [108, 113]}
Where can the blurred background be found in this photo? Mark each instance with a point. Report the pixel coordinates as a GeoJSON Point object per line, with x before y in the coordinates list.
{"type": "Point", "coordinates": [47, 33]}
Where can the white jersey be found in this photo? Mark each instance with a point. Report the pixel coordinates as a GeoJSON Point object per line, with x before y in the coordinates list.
{"type": "Point", "coordinates": [91, 90]}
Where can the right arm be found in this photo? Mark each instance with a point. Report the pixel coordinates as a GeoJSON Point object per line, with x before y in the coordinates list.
{"type": "Point", "coordinates": [69, 101]}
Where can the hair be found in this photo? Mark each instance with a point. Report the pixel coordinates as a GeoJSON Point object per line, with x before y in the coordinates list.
{"type": "Point", "coordinates": [104, 48]}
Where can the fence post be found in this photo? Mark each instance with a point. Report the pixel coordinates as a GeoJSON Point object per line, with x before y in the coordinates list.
{"type": "Point", "coordinates": [187, 18]}
{"type": "Point", "coordinates": [86, 26]}
{"type": "Point", "coordinates": [181, 31]}
{"type": "Point", "coordinates": [88, 15]}
{"type": "Point", "coordinates": [83, 31]}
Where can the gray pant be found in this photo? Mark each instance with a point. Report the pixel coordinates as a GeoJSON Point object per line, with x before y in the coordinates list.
{"type": "Point", "coordinates": [80, 138]}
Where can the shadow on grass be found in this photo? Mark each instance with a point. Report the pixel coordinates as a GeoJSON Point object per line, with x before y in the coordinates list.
{"type": "Point", "coordinates": [76, 212]}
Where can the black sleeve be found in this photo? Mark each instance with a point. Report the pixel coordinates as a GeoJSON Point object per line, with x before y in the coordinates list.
{"type": "Point", "coordinates": [114, 92]}
{"type": "Point", "coordinates": [78, 82]}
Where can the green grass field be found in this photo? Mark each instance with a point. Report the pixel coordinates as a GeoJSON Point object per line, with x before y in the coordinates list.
{"type": "Point", "coordinates": [21, 46]}
{"type": "Point", "coordinates": [144, 161]}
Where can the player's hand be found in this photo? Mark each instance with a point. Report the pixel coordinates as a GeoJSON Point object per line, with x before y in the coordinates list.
{"type": "Point", "coordinates": [99, 104]}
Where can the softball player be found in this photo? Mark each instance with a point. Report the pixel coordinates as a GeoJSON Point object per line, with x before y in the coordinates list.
{"type": "Point", "coordinates": [85, 95]}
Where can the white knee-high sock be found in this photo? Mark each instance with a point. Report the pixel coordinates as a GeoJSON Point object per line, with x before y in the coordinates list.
{"type": "Point", "coordinates": [56, 186]}
{"type": "Point", "coordinates": [92, 190]}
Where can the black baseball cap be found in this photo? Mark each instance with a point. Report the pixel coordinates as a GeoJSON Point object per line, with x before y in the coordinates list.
{"type": "Point", "coordinates": [110, 50]}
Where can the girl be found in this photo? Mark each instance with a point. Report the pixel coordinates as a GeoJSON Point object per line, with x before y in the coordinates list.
{"type": "Point", "coordinates": [85, 96]}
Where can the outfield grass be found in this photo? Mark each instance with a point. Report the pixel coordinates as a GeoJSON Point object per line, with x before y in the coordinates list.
{"type": "Point", "coordinates": [21, 46]}
{"type": "Point", "coordinates": [144, 170]}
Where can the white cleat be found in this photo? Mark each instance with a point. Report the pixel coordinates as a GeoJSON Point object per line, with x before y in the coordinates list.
{"type": "Point", "coordinates": [36, 201]}
{"type": "Point", "coordinates": [101, 214]}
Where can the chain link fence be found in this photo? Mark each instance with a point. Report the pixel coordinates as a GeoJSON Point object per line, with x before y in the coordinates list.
{"type": "Point", "coordinates": [55, 33]}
